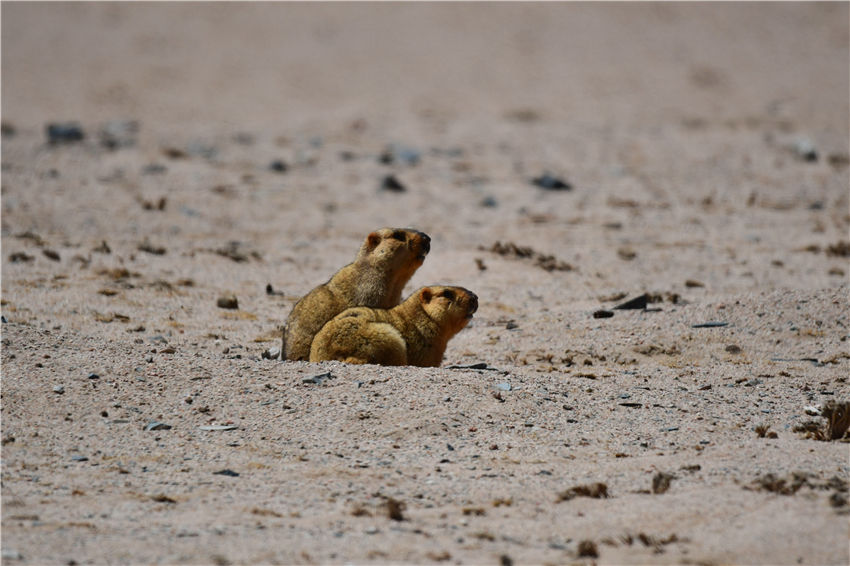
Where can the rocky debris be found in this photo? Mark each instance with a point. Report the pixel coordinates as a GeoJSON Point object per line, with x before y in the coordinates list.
{"type": "Point", "coordinates": [20, 257]}
{"type": "Point", "coordinates": [147, 247]}
{"type": "Point", "coordinates": [626, 253]}
{"type": "Point", "coordinates": [602, 313]}
{"type": "Point", "coordinates": [549, 182]}
{"type": "Point", "coordinates": [763, 431]}
{"type": "Point", "coordinates": [710, 325]}
{"type": "Point", "coordinates": [395, 509]}
{"type": "Point", "coordinates": [587, 549]}
{"type": "Point", "coordinates": [52, 255]}
{"type": "Point", "coordinates": [271, 354]}
{"type": "Point", "coordinates": [661, 482]}
{"type": "Point", "coordinates": [227, 302]}
{"type": "Point", "coordinates": [318, 379]}
{"type": "Point", "coordinates": [543, 261]}
{"type": "Point", "coordinates": [64, 132]}
{"type": "Point", "coordinates": [392, 184]}
{"type": "Point", "coordinates": [805, 150]}
{"type": "Point", "coordinates": [596, 490]}
{"type": "Point", "coordinates": [278, 166]}
{"type": "Point", "coordinates": [792, 483]}
{"type": "Point", "coordinates": [839, 249]}
{"type": "Point", "coordinates": [227, 472]}
{"type": "Point", "coordinates": [156, 425]}
{"type": "Point", "coordinates": [238, 252]}
{"type": "Point", "coordinates": [116, 134]}
{"type": "Point", "coordinates": [837, 415]}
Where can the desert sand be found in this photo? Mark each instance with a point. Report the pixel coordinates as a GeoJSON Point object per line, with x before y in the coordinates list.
{"type": "Point", "coordinates": [696, 154]}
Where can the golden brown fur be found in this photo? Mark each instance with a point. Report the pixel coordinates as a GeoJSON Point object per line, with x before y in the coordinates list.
{"type": "Point", "coordinates": [414, 333]}
{"type": "Point", "coordinates": [386, 261]}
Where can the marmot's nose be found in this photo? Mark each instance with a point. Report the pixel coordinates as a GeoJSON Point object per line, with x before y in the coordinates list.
{"type": "Point", "coordinates": [473, 302]}
{"type": "Point", "coordinates": [426, 242]}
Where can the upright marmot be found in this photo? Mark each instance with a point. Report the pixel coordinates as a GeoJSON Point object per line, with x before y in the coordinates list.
{"type": "Point", "coordinates": [414, 333]}
{"type": "Point", "coordinates": [386, 261]}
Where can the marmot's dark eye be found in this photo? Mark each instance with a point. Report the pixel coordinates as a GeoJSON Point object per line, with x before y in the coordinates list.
{"type": "Point", "coordinates": [399, 236]}
{"type": "Point", "coordinates": [450, 295]}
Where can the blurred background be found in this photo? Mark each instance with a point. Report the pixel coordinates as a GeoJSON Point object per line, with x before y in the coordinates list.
{"type": "Point", "coordinates": [275, 64]}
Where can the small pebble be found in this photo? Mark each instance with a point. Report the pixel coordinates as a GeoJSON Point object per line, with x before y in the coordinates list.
{"type": "Point", "coordinates": [489, 202]}
{"type": "Point", "coordinates": [733, 349]}
{"type": "Point", "coordinates": [271, 354]}
{"type": "Point", "coordinates": [59, 389]}
{"type": "Point", "coordinates": [154, 425]}
{"type": "Point", "coordinates": [318, 379]}
{"type": "Point", "coordinates": [226, 472]}
{"type": "Point", "coordinates": [119, 133]}
{"type": "Point", "coordinates": [805, 150]}
{"type": "Point", "coordinates": [587, 548]}
{"type": "Point", "coordinates": [503, 386]}
{"type": "Point", "coordinates": [94, 376]}
{"type": "Point", "coordinates": [64, 132]}
{"type": "Point", "coordinates": [278, 166]}
{"type": "Point", "coordinates": [78, 458]}
{"type": "Point", "coordinates": [390, 183]}
{"type": "Point", "coordinates": [551, 183]}
{"type": "Point", "coordinates": [50, 254]}
{"type": "Point", "coordinates": [227, 302]}
{"type": "Point", "coordinates": [602, 313]}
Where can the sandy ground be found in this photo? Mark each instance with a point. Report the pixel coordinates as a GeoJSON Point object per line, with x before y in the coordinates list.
{"type": "Point", "coordinates": [706, 150]}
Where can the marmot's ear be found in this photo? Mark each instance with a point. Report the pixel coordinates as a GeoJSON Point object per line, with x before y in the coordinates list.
{"type": "Point", "coordinates": [372, 240]}
{"type": "Point", "coordinates": [425, 295]}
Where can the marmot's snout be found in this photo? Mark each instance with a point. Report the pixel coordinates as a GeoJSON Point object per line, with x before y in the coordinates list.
{"type": "Point", "coordinates": [473, 303]}
{"type": "Point", "coordinates": [424, 243]}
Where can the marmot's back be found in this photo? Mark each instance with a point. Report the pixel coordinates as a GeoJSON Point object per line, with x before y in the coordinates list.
{"type": "Point", "coordinates": [386, 261]}
{"type": "Point", "coordinates": [416, 332]}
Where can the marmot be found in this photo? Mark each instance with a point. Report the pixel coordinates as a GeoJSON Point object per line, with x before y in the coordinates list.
{"type": "Point", "coordinates": [414, 333]}
{"type": "Point", "coordinates": [386, 261]}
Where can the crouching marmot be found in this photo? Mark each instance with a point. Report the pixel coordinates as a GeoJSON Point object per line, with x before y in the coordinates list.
{"type": "Point", "coordinates": [414, 333]}
{"type": "Point", "coordinates": [386, 261]}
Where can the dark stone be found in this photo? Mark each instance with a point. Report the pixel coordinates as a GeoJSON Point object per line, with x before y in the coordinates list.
{"type": "Point", "coordinates": [390, 183]}
{"type": "Point", "coordinates": [67, 132]}
{"type": "Point", "coordinates": [602, 313]}
{"type": "Point", "coordinates": [227, 472]}
{"type": "Point", "coordinates": [278, 166]}
{"type": "Point", "coordinates": [551, 183]}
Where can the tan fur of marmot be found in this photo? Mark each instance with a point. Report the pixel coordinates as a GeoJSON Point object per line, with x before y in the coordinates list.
{"type": "Point", "coordinates": [377, 276]}
{"type": "Point", "coordinates": [415, 333]}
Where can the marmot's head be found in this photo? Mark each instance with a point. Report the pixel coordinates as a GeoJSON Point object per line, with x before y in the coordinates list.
{"type": "Point", "coordinates": [450, 307]}
{"type": "Point", "coordinates": [399, 249]}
